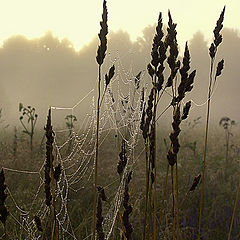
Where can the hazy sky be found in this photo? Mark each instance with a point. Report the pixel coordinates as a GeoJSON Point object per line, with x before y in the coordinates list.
{"type": "Point", "coordinates": [78, 20]}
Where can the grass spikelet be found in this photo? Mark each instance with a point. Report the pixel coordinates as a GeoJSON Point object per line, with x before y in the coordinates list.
{"type": "Point", "coordinates": [218, 28]}
{"type": "Point", "coordinates": [49, 159]}
{"type": "Point", "coordinates": [110, 75]}
{"type": "Point", "coordinates": [38, 223]}
{"type": "Point", "coordinates": [171, 41]}
{"type": "Point", "coordinates": [57, 172]}
{"type": "Point", "coordinates": [219, 68]}
{"type": "Point", "coordinates": [186, 109]}
{"type": "Point", "coordinates": [128, 229]}
{"type": "Point", "coordinates": [172, 153]}
{"type": "Point", "coordinates": [102, 48]}
{"type": "Point", "coordinates": [195, 182]}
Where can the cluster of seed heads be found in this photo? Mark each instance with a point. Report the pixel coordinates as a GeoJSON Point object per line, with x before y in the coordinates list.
{"type": "Point", "coordinates": [101, 52]}
{"type": "Point", "coordinates": [49, 161]}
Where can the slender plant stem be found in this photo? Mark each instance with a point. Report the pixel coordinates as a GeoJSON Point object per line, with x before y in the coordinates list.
{"type": "Point", "coordinates": [234, 211]}
{"type": "Point", "coordinates": [205, 148]}
{"type": "Point", "coordinates": [53, 209]}
{"type": "Point", "coordinates": [162, 202]}
{"type": "Point", "coordinates": [103, 97]}
{"type": "Point", "coordinates": [177, 202]}
{"type": "Point", "coordinates": [155, 167]}
{"type": "Point", "coordinates": [96, 156]}
{"type": "Point", "coordinates": [122, 225]}
{"type": "Point", "coordinates": [147, 191]}
{"type": "Point", "coordinates": [227, 145]}
{"type": "Point", "coordinates": [173, 205]}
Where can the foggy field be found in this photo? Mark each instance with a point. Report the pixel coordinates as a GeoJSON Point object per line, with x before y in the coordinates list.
{"type": "Point", "coordinates": [124, 139]}
{"type": "Point", "coordinates": [221, 184]}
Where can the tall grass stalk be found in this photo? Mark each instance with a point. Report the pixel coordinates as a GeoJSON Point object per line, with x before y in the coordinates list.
{"type": "Point", "coordinates": [212, 52]}
{"type": "Point", "coordinates": [101, 52]}
{"type": "Point", "coordinates": [96, 157]}
{"type": "Point", "coordinates": [50, 175]}
{"type": "Point", "coordinates": [147, 168]}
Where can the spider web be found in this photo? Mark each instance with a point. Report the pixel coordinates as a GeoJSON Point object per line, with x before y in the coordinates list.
{"type": "Point", "coordinates": [121, 115]}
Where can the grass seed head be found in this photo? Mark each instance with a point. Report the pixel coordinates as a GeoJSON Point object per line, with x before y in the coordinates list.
{"type": "Point", "coordinates": [195, 182]}
{"type": "Point", "coordinates": [102, 48]}
{"type": "Point", "coordinates": [110, 75]}
{"type": "Point", "coordinates": [49, 158]}
{"type": "Point", "coordinates": [38, 223]}
{"type": "Point", "coordinates": [218, 28]}
{"type": "Point", "coordinates": [186, 109]}
{"type": "Point", "coordinates": [219, 68]}
{"type": "Point", "coordinates": [57, 172]}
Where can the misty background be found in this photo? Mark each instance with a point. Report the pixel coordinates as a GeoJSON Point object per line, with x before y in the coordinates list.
{"type": "Point", "coordinates": [45, 72]}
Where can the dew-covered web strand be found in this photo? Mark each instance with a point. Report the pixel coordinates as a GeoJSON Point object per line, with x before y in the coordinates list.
{"type": "Point", "coordinates": [77, 166]}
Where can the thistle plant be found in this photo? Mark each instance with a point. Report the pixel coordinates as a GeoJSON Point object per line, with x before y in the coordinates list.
{"type": "Point", "coordinates": [212, 80]}
{"type": "Point", "coordinates": [227, 124]}
{"type": "Point", "coordinates": [70, 120]}
{"type": "Point", "coordinates": [29, 125]}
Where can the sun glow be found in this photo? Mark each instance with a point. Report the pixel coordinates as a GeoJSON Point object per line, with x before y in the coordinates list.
{"type": "Point", "coordinates": [78, 20]}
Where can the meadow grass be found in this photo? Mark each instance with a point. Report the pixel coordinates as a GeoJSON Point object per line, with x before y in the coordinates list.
{"type": "Point", "coordinates": [156, 183]}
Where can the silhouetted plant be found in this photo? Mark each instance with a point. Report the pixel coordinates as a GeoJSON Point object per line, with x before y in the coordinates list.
{"type": "Point", "coordinates": [227, 124]}
{"type": "Point", "coordinates": [70, 120]}
{"type": "Point", "coordinates": [212, 80]}
{"type": "Point", "coordinates": [52, 175]}
{"type": "Point", "coordinates": [38, 223]}
{"type": "Point", "coordinates": [31, 117]}
{"type": "Point", "coordinates": [101, 53]}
